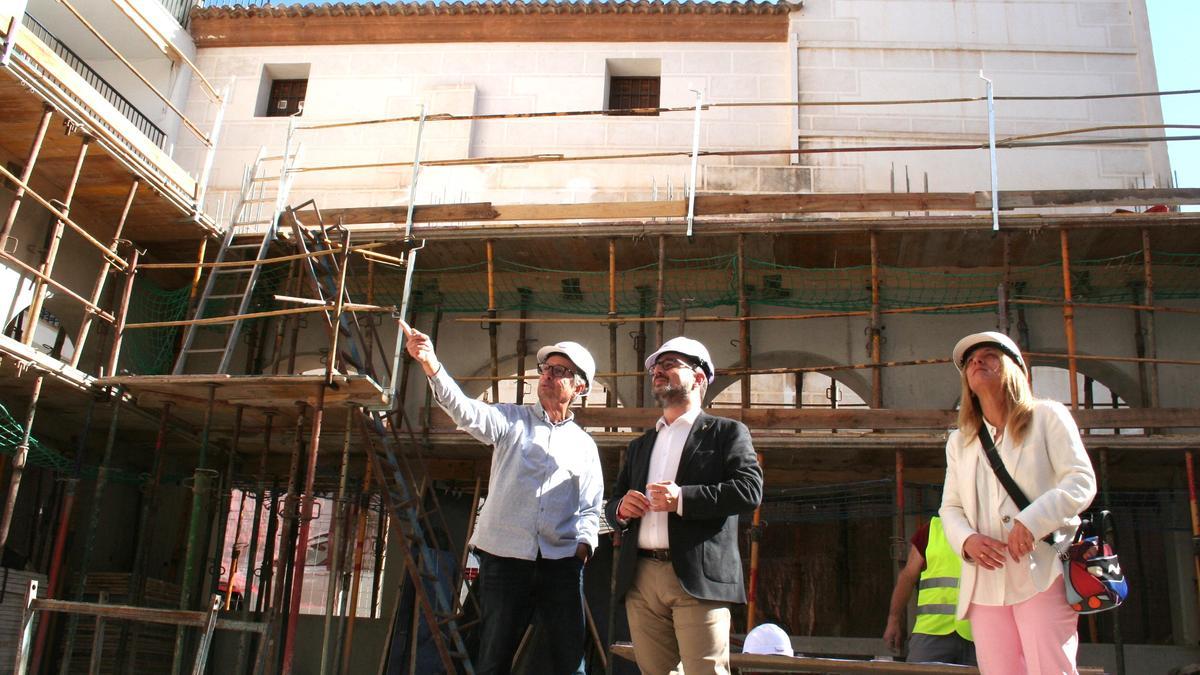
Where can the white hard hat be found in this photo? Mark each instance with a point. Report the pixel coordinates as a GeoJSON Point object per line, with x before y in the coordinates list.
{"type": "Point", "coordinates": [990, 339]}
{"type": "Point", "coordinates": [767, 638]}
{"type": "Point", "coordinates": [688, 347]}
{"type": "Point", "coordinates": [578, 356]}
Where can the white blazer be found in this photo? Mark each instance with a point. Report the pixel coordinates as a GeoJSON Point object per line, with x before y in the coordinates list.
{"type": "Point", "coordinates": [1054, 471]}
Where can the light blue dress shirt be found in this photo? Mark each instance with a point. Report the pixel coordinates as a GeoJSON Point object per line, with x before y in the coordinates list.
{"type": "Point", "coordinates": [546, 485]}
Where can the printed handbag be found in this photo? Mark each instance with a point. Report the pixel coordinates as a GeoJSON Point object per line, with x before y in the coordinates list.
{"type": "Point", "coordinates": [1091, 570]}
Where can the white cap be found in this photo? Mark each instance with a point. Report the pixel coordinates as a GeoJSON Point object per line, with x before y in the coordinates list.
{"type": "Point", "coordinates": [991, 339]}
{"type": "Point", "coordinates": [578, 356]}
{"type": "Point", "coordinates": [688, 347]}
{"type": "Point", "coordinates": [767, 638]}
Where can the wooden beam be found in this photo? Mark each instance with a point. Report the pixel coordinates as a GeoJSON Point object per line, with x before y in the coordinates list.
{"type": "Point", "coordinates": [867, 418]}
{"type": "Point", "coordinates": [712, 205]}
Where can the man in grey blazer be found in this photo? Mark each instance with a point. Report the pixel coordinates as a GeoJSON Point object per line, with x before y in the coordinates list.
{"type": "Point", "coordinates": [682, 487]}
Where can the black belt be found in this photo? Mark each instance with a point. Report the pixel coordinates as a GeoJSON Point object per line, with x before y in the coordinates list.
{"type": "Point", "coordinates": [659, 554]}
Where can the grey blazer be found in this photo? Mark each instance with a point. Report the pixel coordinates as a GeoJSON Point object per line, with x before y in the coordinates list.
{"type": "Point", "coordinates": [719, 478]}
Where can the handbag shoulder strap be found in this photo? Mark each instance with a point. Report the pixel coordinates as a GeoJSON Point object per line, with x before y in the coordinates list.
{"type": "Point", "coordinates": [997, 464]}
{"type": "Point", "coordinates": [1005, 478]}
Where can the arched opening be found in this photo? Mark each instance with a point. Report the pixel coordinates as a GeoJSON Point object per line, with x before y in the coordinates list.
{"type": "Point", "coordinates": [1054, 383]}
{"type": "Point", "coordinates": [50, 336]}
{"type": "Point", "coordinates": [779, 390]}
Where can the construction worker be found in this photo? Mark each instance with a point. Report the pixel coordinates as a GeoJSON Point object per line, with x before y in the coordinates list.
{"type": "Point", "coordinates": [682, 487]}
{"type": "Point", "coordinates": [937, 636]}
{"type": "Point", "coordinates": [541, 520]}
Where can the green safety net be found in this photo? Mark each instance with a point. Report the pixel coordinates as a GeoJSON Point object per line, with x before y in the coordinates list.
{"type": "Point", "coordinates": [712, 282]}
{"type": "Point", "coordinates": [151, 351]}
{"type": "Point", "coordinates": [11, 434]}
{"type": "Point", "coordinates": [705, 282]}
{"type": "Point", "coordinates": [46, 457]}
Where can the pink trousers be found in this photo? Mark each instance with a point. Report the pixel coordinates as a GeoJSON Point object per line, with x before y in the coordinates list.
{"type": "Point", "coordinates": [1035, 637]}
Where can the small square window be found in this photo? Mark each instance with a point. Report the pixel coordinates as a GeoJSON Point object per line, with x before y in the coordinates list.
{"type": "Point", "coordinates": [572, 289]}
{"type": "Point", "coordinates": [626, 92]}
{"type": "Point", "coordinates": [287, 98]}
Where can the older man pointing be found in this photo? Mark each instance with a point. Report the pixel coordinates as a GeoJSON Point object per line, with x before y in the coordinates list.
{"type": "Point", "coordinates": [540, 522]}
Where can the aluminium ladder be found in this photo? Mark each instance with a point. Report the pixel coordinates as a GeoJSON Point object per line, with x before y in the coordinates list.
{"type": "Point", "coordinates": [229, 290]}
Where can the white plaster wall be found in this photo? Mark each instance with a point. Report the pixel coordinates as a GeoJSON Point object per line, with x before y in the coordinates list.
{"type": "Point", "coordinates": [846, 50]}
{"type": "Point", "coordinates": [360, 82]}
{"type": "Point", "coordinates": [860, 50]}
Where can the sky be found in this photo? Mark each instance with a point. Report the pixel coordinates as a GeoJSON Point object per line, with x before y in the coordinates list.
{"type": "Point", "coordinates": [1173, 25]}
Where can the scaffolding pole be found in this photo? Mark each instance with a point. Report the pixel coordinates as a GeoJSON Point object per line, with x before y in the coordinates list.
{"type": "Point", "coordinates": [93, 527]}
{"type": "Point", "coordinates": [51, 256]}
{"type": "Point", "coordinates": [26, 173]}
{"type": "Point", "coordinates": [193, 553]}
{"type": "Point", "coordinates": [335, 544]}
{"type": "Point", "coordinates": [1148, 301]}
{"type": "Point", "coordinates": [611, 397]}
{"type": "Point", "coordinates": [306, 517]}
{"type": "Point", "coordinates": [360, 537]}
{"type": "Point", "coordinates": [1068, 314]}
{"type": "Point", "coordinates": [251, 565]}
{"type": "Point", "coordinates": [18, 462]}
{"type": "Point", "coordinates": [102, 276]}
{"type": "Point", "coordinates": [287, 539]}
{"type": "Point", "coordinates": [137, 581]}
{"type": "Point", "coordinates": [493, 328]}
{"type": "Point", "coordinates": [122, 313]}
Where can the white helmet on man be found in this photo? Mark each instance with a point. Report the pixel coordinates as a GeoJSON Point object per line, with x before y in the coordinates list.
{"type": "Point", "coordinates": [688, 347]}
{"type": "Point", "coordinates": [767, 638]}
{"type": "Point", "coordinates": [579, 356]}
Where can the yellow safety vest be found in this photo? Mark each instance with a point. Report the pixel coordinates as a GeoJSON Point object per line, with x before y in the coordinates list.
{"type": "Point", "coordinates": [937, 594]}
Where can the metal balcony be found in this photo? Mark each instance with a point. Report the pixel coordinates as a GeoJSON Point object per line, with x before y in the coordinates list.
{"type": "Point", "coordinates": [122, 104]}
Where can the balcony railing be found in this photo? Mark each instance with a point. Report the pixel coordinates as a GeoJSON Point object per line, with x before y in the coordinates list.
{"type": "Point", "coordinates": [101, 85]}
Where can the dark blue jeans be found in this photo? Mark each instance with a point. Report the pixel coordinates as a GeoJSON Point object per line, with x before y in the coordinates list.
{"type": "Point", "coordinates": [514, 592]}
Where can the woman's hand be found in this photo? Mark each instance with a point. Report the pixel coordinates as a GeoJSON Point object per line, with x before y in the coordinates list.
{"type": "Point", "coordinates": [986, 552]}
{"type": "Point", "coordinates": [1020, 541]}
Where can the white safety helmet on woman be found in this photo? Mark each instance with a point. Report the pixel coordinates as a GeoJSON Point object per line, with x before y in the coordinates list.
{"type": "Point", "coordinates": [689, 348]}
{"type": "Point", "coordinates": [990, 338]}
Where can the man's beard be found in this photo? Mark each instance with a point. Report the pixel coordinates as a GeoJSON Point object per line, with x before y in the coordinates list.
{"type": "Point", "coordinates": [672, 394]}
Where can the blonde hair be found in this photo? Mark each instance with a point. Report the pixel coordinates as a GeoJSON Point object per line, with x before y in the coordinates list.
{"type": "Point", "coordinates": [1017, 393]}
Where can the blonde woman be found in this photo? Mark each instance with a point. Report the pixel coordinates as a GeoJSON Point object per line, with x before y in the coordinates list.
{"type": "Point", "coordinates": [1011, 587]}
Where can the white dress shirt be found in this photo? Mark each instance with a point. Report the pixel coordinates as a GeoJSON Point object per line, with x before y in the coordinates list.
{"type": "Point", "coordinates": [1013, 582]}
{"type": "Point", "coordinates": [664, 464]}
{"type": "Point", "coordinates": [545, 488]}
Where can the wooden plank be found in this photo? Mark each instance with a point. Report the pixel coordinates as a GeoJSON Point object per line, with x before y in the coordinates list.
{"type": "Point", "coordinates": [711, 205]}
{"type": "Point", "coordinates": [1120, 197]}
{"type": "Point", "coordinates": [777, 663]}
{"type": "Point", "coordinates": [272, 391]}
{"type": "Point", "coordinates": [866, 418]}
{"type": "Point", "coordinates": [176, 617]}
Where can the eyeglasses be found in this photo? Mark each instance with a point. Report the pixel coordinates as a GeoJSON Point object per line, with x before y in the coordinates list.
{"type": "Point", "coordinates": [557, 372]}
{"type": "Point", "coordinates": [990, 359]}
{"type": "Point", "coordinates": [669, 363]}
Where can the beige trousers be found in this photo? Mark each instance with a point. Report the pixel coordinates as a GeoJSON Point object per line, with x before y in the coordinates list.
{"type": "Point", "coordinates": [668, 625]}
